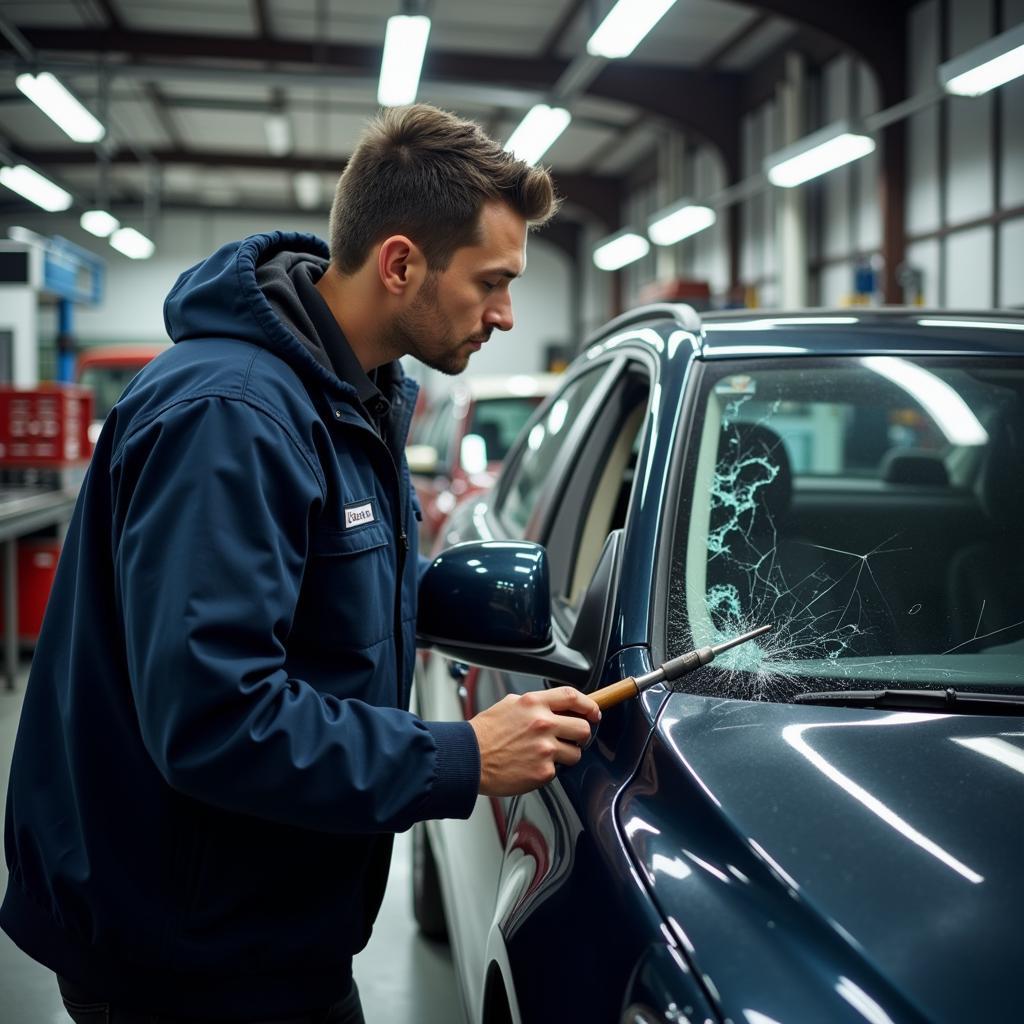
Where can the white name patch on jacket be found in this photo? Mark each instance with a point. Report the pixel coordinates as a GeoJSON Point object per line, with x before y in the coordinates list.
{"type": "Point", "coordinates": [358, 515]}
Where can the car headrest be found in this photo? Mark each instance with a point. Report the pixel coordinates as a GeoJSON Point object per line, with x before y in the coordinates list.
{"type": "Point", "coordinates": [913, 466]}
{"type": "Point", "coordinates": [753, 451]}
{"type": "Point", "coordinates": [1002, 475]}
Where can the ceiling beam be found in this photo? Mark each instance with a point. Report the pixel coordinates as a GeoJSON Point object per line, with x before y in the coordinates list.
{"type": "Point", "coordinates": [876, 30]}
{"type": "Point", "coordinates": [732, 42]}
{"type": "Point", "coordinates": [340, 58]}
{"type": "Point", "coordinates": [561, 29]}
{"type": "Point", "coordinates": [261, 16]}
{"type": "Point", "coordinates": [600, 195]}
{"type": "Point", "coordinates": [698, 103]}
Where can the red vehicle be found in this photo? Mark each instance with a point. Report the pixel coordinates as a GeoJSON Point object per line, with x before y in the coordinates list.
{"type": "Point", "coordinates": [458, 445]}
{"type": "Point", "coordinates": [107, 369]}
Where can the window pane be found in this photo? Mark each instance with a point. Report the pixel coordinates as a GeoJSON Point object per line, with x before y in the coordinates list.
{"type": "Point", "coordinates": [868, 509]}
{"type": "Point", "coordinates": [498, 422]}
{"type": "Point", "coordinates": [542, 447]}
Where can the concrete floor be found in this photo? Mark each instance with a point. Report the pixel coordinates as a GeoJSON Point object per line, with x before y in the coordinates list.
{"type": "Point", "coordinates": [401, 976]}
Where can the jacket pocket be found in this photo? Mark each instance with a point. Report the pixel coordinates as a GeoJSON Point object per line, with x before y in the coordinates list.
{"type": "Point", "coordinates": [337, 543]}
{"type": "Point", "coordinates": [348, 595]}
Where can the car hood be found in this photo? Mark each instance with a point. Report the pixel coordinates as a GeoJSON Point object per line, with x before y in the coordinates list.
{"type": "Point", "coordinates": [818, 861]}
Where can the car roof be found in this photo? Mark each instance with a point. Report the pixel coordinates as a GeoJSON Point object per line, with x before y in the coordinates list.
{"type": "Point", "coordinates": [847, 331]}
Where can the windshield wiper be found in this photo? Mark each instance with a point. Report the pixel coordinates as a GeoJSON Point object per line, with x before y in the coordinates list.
{"type": "Point", "coordinates": [960, 702]}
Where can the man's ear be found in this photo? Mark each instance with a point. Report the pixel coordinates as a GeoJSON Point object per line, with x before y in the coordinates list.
{"type": "Point", "coordinates": [400, 265]}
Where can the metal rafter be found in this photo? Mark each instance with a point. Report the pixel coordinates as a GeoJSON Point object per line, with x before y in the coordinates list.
{"type": "Point", "coordinates": [714, 118]}
{"type": "Point", "coordinates": [261, 16]}
{"type": "Point", "coordinates": [599, 195]}
{"type": "Point", "coordinates": [557, 35]}
{"type": "Point", "coordinates": [876, 30]}
{"type": "Point", "coordinates": [741, 35]}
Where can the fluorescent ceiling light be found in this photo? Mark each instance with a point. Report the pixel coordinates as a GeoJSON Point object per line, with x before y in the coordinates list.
{"type": "Point", "coordinates": [99, 223]}
{"type": "Point", "coordinates": [35, 188]}
{"type": "Point", "coordinates": [307, 189]}
{"type": "Point", "coordinates": [620, 249]}
{"type": "Point", "coordinates": [625, 25]}
{"type": "Point", "coordinates": [404, 45]}
{"type": "Point", "coordinates": [987, 66]}
{"type": "Point", "coordinates": [132, 244]}
{"type": "Point", "coordinates": [951, 413]}
{"type": "Point", "coordinates": [817, 154]}
{"type": "Point", "coordinates": [278, 130]}
{"type": "Point", "coordinates": [679, 221]}
{"type": "Point", "coordinates": [537, 132]}
{"type": "Point", "coordinates": [47, 93]}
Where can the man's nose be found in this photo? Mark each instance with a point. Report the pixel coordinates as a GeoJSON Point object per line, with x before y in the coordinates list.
{"type": "Point", "coordinates": [499, 314]}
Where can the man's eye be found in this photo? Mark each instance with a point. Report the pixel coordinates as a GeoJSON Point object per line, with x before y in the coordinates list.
{"type": "Point", "coordinates": [489, 285]}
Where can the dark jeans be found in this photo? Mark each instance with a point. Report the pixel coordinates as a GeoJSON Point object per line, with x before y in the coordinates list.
{"type": "Point", "coordinates": [85, 1008]}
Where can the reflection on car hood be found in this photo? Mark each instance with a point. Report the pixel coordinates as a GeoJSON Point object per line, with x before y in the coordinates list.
{"type": "Point", "coordinates": [872, 856]}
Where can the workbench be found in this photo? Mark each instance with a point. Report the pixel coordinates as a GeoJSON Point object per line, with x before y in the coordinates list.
{"type": "Point", "coordinates": [23, 510]}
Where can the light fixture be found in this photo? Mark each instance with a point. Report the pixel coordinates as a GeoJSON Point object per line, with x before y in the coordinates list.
{"type": "Point", "coordinates": [133, 244]}
{"type": "Point", "coordinates": [537, 132]}
{"type": "Point", "coordinates": [307, 189]}
{"type": "Point", "coordinates": [816, 154]}
{"type": "Point", "coordinates": [620, 249]}
{"type": "Point", "coordinates": [32, 186]}
{"type": "Point", "coordinates": [99, 223]}
{"type": "Point", "coordinates": [625, 25]}
{"type": "Point", "coordinates": [405, 43]}
{"type": "Point", "coordinates": [679, 221]}
{"type": "Point", "coordinates": [278, 130]}
{"type": "Point", "coordinates": [47, 93]}
{"type": "Point", "coordinates": [987, 66]}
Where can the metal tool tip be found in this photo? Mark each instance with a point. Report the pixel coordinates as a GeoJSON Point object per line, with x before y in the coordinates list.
{"type": "Point", "coordinates": [736, 641]}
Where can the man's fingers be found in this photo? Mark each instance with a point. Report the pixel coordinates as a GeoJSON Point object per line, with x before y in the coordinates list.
{"type": "Point", "coordinates": [572, 730]}
{"type": "Point", "coordinates": [568, 698]}
{"type": "Point", "coordinates": [568, 753]}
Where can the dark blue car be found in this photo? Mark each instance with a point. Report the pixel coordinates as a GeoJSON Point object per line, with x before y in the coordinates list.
{"type": "Point", "coordinates": [824, 824]}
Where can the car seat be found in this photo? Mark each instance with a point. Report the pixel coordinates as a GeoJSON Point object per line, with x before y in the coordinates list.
{"type": "Point", "coordinates": [985, 592]}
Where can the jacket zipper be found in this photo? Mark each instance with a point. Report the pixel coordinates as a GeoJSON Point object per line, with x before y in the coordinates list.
{"type": "Point", "coordinates": [402, 545]}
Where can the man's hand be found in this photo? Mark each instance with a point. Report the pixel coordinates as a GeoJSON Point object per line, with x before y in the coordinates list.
{"type": "Point", "coordinates": [522, 738]}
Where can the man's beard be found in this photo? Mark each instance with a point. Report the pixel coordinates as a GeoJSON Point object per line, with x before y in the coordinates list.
{"type": "Point", "coordinates": [424, 332]}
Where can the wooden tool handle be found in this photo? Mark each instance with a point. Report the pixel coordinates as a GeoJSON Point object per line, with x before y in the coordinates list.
{"type": "Point", "coordinates": [616, 693]}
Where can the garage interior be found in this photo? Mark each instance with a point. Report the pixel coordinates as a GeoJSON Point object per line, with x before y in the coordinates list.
{"type": "Point", "coordinates": [223, 118]}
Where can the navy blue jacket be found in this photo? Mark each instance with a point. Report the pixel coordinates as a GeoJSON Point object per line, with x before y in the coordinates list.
{"type": "Point", "coordinates": [215, 748]}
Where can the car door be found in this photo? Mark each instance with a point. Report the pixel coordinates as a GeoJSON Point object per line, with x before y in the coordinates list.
{"type": "Point", "coordinates": [567, 485]}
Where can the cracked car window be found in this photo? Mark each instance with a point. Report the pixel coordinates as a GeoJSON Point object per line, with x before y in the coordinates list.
{"type": "Point", "coordinates": [868, 509]}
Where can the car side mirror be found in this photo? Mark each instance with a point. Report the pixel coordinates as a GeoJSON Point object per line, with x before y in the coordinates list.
{"type": "Point", "coordinates": [488, 595]}
{"type": "Point", "coordinates": [422, 459]}
{"type": "Point", "coordinates": [489, 603]}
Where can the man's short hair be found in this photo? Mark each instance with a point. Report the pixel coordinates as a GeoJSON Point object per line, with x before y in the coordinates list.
{"type": "Point", "coordinates": [425, 173]}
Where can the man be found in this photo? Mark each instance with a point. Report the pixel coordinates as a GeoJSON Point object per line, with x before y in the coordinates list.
{"type": "Point", "coordinates": [215, 750]}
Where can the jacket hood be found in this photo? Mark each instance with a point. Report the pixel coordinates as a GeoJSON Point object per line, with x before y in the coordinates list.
{"type": "Point", "coordinates": [223, 297]}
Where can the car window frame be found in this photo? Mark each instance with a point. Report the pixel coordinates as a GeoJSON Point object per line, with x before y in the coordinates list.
{"type": "Point", "coordinates": [584, 475]}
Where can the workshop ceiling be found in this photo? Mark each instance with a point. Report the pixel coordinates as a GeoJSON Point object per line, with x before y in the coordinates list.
{"type": "Point", "coordinates": [192, 83]}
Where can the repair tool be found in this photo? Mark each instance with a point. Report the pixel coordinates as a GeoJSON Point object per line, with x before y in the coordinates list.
{"type": "Point", "coordinates": [633, 686]}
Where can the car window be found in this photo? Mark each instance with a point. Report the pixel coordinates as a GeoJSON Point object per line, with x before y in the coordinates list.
{"type": "Point", "coordinates": [497, 422]}
{"type": "Point", "coordinates": [868, 509]}
{"type": "Point", "coordinates": [545, 440]}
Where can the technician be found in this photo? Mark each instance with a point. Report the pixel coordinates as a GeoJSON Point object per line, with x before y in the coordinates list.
{"type": "Point", "coordinates": [215, 748]}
